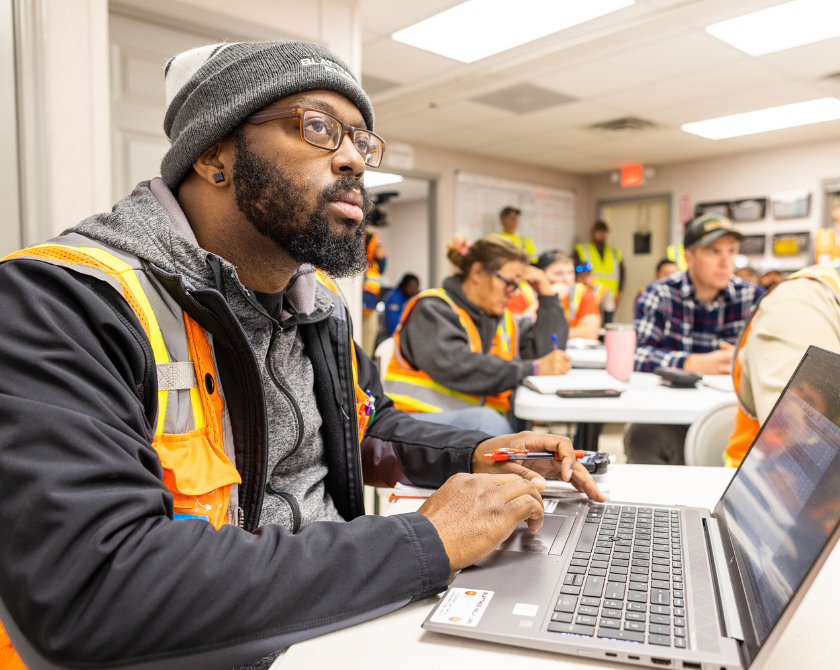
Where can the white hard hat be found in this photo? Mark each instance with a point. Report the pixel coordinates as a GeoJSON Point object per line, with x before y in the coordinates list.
{"type": "Point", "coordinates": [741, 262]}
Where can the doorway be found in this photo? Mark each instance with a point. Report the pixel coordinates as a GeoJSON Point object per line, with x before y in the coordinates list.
{"type": "Point", "coordinates": [639, 228]}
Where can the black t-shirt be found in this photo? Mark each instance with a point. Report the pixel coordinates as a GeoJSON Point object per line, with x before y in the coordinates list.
{"type": "Point", "coordinates": [271, 302]}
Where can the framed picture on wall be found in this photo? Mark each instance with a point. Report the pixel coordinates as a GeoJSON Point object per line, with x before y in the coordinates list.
{"type": "Point", "coordinates": [748, 210]}
{"type": "Point", "coordinates": [720, 208]}
{"type": "Point", "coordinates": [791, 205]}
{"type": "Point", "coordinates": [790, 244]}
{"type": "Point", "coordinates": [753, 245]}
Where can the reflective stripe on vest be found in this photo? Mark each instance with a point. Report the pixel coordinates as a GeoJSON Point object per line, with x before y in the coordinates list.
{"type": "Point", "coordinates": [573, 301]}
{"type": "Point", "coordinates": [415, 391]}
{"type": "Point", "coordinates": [606, 270]}
{"type": "Point", "coordinates": [365, 405]}
{"type": "Point", "coordinates": [676, 254]}
{"type": "Point", "coordinates": [746, 423]}
{"type": "Point", "coordinates": [825, 246]}
{"type": "Point", "coordinates": [190, 428]}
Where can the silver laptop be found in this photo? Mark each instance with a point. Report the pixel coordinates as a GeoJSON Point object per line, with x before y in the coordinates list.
{"type": "Point", "coordinates": [676, 587]}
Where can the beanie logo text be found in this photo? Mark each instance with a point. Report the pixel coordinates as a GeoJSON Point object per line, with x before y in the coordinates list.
{"type": "Point", "coordinates": [328, 65]}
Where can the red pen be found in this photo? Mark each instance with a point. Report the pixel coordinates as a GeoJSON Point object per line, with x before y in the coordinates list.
{"type": "Point", "coordinates": [507, 454]}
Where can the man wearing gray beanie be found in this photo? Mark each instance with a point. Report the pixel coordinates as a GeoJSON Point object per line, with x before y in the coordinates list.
{"type": "Point", "coordinates": [187, 420]}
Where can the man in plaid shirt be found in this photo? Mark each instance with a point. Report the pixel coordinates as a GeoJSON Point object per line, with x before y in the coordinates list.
{"type": "Point", "coordinates": [690, 320]}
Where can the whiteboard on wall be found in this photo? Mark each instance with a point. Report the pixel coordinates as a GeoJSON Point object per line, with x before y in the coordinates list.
{"type": "Point", "coordinates": [548, 214]}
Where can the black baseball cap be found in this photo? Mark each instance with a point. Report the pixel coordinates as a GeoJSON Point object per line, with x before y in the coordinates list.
{"type": "Point", "coordinates": [509, 210]}
{"type": "Point", "coordinates": [707, 228]}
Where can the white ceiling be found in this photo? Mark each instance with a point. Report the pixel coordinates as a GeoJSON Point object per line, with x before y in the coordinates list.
{"type": "Point", "coordinates": [653, 60]}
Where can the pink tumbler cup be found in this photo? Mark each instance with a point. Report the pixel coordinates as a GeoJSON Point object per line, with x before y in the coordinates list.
{"type": "Point", "coordinates": [620, 341]}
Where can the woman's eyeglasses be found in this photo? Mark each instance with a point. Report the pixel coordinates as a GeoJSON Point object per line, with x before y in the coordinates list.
{"type": "Point", "coordinates": [511, 287]}
{"type": "Point", "coordinates": [324, 131]}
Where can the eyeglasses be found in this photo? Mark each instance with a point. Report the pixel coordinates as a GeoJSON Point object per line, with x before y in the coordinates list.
{"type": "Point", "coordinates": [324, 131]}
{"type": "Point", "coordinates": [511, 287]}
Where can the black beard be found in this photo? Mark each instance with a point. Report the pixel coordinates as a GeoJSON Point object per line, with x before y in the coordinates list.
{"type": "Point", "coordinates": [277, 208]}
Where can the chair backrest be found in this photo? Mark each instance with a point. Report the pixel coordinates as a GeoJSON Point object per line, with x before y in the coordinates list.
{"type": "Point", "coordinates": [383, 355]}
{"type": "Point", "coordinates": [708, 437]}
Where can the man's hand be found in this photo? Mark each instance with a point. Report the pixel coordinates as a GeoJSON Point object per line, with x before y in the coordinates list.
{"type": "Point", "coordinates": [714, 363]}
{"type": "Point", "coordinates": [567, 468]}
{"type": "Point", "coordinates": [558, 362]}
{"type": "Point", "coordinates": [474, 514]}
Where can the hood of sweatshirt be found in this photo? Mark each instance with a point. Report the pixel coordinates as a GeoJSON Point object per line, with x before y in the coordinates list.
{"type": "Point", "coordinates": [150, 224]}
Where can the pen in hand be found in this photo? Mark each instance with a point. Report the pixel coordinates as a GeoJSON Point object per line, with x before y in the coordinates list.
{"type": "Point", "coordinates": [554, 341]}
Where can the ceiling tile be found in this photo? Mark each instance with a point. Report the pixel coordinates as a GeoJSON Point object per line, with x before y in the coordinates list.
{"type": "Point", "coordinates": [749, 100]}
{"type": "Point", "coordinates": [395, 61]}
{"type": "Point", "coordinates": [810, 61]}
{"type": "Point", "coordinates": [523, 98]}
{"type": "Point", "coordinates": [690, 51]}
{"type": "Point", "coordinates": [744, 73]}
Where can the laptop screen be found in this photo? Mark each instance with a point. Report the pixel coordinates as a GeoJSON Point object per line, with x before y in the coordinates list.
{"type": "Point", "coordinates": [784, 502]}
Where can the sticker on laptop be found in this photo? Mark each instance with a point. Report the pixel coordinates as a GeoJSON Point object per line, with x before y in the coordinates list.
{"type": "Point", "coordinates": [550, 505]}
{"type": "Point", "coordinates": [524, 609]}
{"type": "Point", "coordinates": [462, 607]}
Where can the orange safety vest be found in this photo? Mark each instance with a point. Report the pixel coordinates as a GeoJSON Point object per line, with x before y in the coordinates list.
{"type": "Point", "coordinates": [520, 303]}
{"type": "Point", "coordinates": [826, 248]}
{"type": "Point", "coordinates": [373, 280]}
{"type": "Point", "coordinates": [198, 465]}
{"type": "Point", "coordinates": [746, 423]}
{"type": "Point", "coordinates": [413, 390]}
{"type": "Point", "coordinates": [571, 304]}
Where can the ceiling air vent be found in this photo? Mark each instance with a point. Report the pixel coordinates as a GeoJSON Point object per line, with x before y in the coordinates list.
{"type": "Point", "coordinates": [629, 125]}
{"type": "Point", "coordinates": [833, 82]}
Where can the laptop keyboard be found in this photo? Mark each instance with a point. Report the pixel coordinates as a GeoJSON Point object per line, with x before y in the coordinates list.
{"type": "Point", "coordinates": [625, 581]}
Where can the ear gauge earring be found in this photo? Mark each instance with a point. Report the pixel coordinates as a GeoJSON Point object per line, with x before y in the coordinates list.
{"type": "Point", "coordinates": [218, 177]}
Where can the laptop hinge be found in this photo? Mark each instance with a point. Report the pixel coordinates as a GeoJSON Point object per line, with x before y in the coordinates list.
{"type": "Point", "coordinates": [729, 608]}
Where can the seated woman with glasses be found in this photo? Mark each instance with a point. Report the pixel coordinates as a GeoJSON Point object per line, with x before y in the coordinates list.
{"type": "Point", "coordinates": [458, 350]}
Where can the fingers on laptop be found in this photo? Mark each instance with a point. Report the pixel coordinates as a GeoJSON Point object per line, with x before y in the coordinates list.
{"type": "Point", "coordinates": [583, 482]}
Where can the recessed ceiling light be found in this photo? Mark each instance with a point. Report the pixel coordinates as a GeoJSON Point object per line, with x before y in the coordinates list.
{"type": "Point", "coordinates": [479, 28]}
{"type": "Point", "coordinates": [791, 24]}
{"type": "Point", "coordinates": [373, 179]}
{"type": "Point", "coordinates": [762, 120]}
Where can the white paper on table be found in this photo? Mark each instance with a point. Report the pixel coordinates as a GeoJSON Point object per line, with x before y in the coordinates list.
{"type": "Point", "coordinates": [556, 488]}
{"type": "Point", "coordinates": [719, 382]}
{"type": "Point", "coordinates": [574, 380]}
{"type": "Point", "coordinates": [583, 343]}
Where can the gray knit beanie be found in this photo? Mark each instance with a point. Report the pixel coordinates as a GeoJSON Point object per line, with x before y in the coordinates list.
{"type": "Point", "coordinates": [212, 89]}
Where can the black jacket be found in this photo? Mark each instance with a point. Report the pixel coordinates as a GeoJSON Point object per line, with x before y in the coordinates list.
{"type": "Point", "coordinates": [93, 570]}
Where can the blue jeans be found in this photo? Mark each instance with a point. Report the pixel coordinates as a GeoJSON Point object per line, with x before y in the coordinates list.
{"type": "Point", "coordinates": [473, 418]}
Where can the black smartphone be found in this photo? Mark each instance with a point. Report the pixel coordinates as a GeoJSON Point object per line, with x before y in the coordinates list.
{"type": "Point", "coordinates": [596, 462]}
{"type": "Point", "coordinates": [593, 393]}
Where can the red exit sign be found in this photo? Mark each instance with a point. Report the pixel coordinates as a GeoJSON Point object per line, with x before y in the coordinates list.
{"type": "Point", "coordinates": [631, 175]}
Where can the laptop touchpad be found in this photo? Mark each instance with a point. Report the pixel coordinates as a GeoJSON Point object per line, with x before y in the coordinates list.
{"type": "Point", "coordinates": [522, 539]}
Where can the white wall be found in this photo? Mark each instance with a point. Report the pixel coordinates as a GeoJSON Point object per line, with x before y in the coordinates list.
{"type": "Point", "coordinates": [753, 175]}
{"type": "Point", "coordinates": [445, 164]}
{"type": "Point", "coordinates": [407, 240]}
{"type": "Point", "coordinates": [62, 52]}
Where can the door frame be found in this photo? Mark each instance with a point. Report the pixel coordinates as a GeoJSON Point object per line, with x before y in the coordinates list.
{"type": "Point", "coordinates": [600, 204]}
{"type": "Point", "coordinates": [433, 203]}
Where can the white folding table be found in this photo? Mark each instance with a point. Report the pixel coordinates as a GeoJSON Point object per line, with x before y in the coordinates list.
{"type": "Point", "coordinates": [645, 400]}
{"type": "Point", "coordinates": [397, 642]}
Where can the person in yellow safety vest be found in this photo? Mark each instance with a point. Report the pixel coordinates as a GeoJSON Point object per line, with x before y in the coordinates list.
{"type": "Point", "coordinates": [676, 254]}
{"type": "Point", "coordinates": [607, 263]}
{"type": "Point", "coordinates": [827, 240]}
{"type": "Point", "coordinates": [182, 399]}
{"type": "Point", "coordinates": [371, 289]}
{"type": "Point", "coordinates": [802, 310]}
{"type": "Point", "coordinates": [580, 303]}
{"type": "Point", "coordinates": [509, 219]}
{"type": "Point", "coordinates": [458, 350]}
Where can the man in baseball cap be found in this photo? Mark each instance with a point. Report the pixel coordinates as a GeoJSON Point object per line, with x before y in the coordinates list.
{"type": "Point", "coordinates": [690, 320]}
{"type": "Point", "coordinates": [186, 415]}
